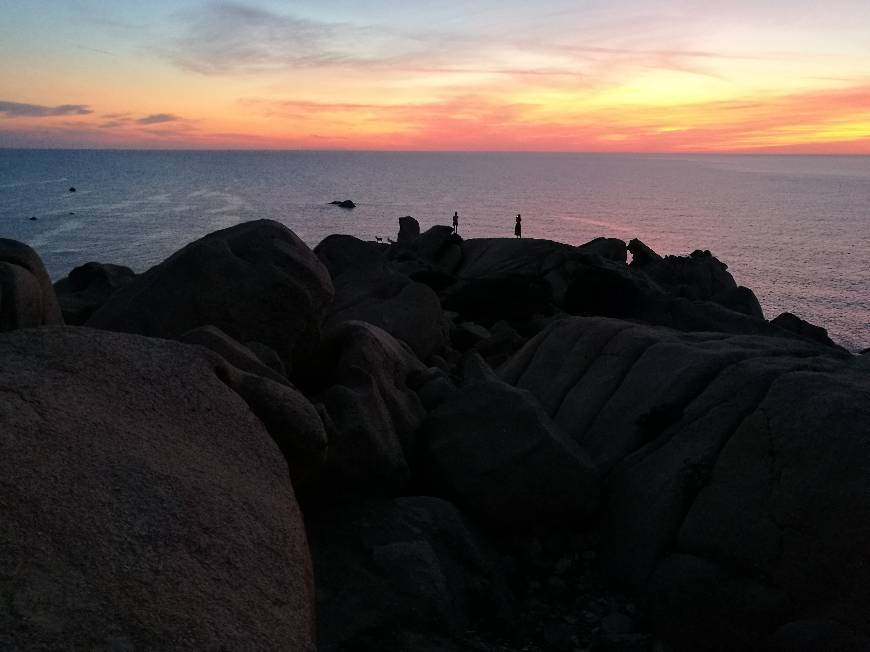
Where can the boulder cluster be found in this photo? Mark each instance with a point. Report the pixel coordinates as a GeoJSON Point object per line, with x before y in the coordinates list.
{"type": "Point", "coordinates": [434, 444]}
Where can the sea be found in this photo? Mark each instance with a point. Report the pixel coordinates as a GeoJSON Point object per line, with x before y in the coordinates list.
{"type": "Point", "coordinates": [795, 229]}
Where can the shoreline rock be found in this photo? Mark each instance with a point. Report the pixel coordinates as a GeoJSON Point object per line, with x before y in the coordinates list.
{"type": "Point", "coordinates": [496, 444]}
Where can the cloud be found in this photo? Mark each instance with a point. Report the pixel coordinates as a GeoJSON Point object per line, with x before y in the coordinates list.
{"type": "Point", "coordinates": [229, 37]}
{"type": "Point", "coordinates": [19, 110]}
{"type": "Point", "coordinates": [158, 118]}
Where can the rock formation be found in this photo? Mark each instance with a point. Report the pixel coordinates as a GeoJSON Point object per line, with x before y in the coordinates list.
{"type": "Point", "coordinates": [496, 444]}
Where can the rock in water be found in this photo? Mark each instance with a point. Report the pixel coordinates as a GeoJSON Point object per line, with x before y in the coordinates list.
{"type": "Point", "coordinates": [144, 506]}
{"type": "Point", "coordinates": [255, 281]}
{"type": "Point", "coordinates": [346, 203]}
{"type": "Point", "coordinates": [26, 296]}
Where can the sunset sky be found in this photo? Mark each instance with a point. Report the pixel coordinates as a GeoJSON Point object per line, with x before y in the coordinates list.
{"type": "Point", "coordinates": [552, 75]}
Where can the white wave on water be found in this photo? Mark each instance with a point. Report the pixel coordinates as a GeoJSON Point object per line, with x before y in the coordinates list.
{"type": "Point", "coordinates": [49, 237]}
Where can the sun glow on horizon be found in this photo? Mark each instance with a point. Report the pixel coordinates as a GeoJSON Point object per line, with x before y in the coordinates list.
{"type": "Point", "coordinates": [672, 77]}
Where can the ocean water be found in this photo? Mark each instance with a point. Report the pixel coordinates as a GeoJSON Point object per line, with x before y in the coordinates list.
{"type": "Point", "coordinates": [795, 229]}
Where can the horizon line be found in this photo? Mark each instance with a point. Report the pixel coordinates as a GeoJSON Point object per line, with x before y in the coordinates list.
{"type": "Point", "coordinates": [752, 152]}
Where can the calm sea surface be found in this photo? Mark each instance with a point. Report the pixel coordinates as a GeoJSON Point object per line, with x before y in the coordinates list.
{"type": "Point", "coordinates": [795, 229]}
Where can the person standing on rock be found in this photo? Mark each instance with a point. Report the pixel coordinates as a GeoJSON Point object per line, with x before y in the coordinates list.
{"type": "Point", "coordinates": [518, 229]}
{"type": "Point", "coordinates": [456, 222]}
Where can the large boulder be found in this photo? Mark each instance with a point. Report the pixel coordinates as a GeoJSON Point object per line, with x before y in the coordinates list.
{"type": "Point", "coordinates": [439, 246]}
{"type": "Point", "coordinates": [254, 281]}
{"type": "Point", "coordinates": [379, 295]}
{"type": "Point", "coordinates": [87, 287]}
{"type": "Point", "coordinates": [407, 565]}
{"type": "Point", "coordinates": [796, 326]}
{"type": "Point", "coordinates": [409, 231]}
{"type": "Point", "coordinates": [493, 450]}
{"type": "Point", "coordinates": [340, 253]}
{"type": "Point", "coordinates": [732, 463]}
{"type": "Point", "coordinates": [238, 355]}
{"type": "Point", "coordinates": [360, 378]}
{"type": "Point", "coordinates": [26, 295]}
{"type": "Point", "coordinates": [144, 506]}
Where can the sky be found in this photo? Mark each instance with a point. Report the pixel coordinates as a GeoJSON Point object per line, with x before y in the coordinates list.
{"type": "Point", "coordinates": [788, 76]}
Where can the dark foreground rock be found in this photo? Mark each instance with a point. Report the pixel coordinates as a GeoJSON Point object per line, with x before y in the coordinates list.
{"type": "Point", "coordinates": [144, 506]}
{"type": "Point", "coordinates": [667, 466]}
{"type": "Point", "coordinates": [360, 380]}
{"type": "Point", "coordinates": [736, 469]}
{"type": "Point", "coordinates": [26, 296]}
{"type": "Point", "coordinates": [492, 449]}
{"type": "Point", "coordinates": [409, 565]}
{"type": "Point", "coordinates": [255, 281]}
{"type": "Point", "coordinates": [382, 296]}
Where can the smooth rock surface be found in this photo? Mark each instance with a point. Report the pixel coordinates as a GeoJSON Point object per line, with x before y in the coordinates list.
{"type": "Point", "coordinates": [254, 281]}
{"type": "Point", "coordinates": [26, 295]}
{"type": "Point", "coordinates": [144, 506]}
{"type": "Point", "coordinates": [492, 450]}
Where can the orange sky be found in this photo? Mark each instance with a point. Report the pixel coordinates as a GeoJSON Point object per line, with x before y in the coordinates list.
{"type": "Point", "coordinates": [670, 76]}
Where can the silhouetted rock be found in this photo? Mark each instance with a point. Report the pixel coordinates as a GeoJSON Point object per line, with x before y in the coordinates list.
{"type": "Point", "coordinates": [346, 203]}
{"type": "Point", "coordinates": [292, 421]}
{"type": "Point", "coordinates": [605, 291]}
{"type": "Point", "coordinates": [405, 565]}
{"type": "Point", "coordinates": [740, 299]}
{"type": "Point", "coordinates": [340, 253]}
{"type": "Point", "coordinates": [254, 281]}
{"type": "Point", "coordinates": [409, 230]}
{"type": "Point", "coordinates": [488, 300]}
{"type": "Point", "coordinates": [612, 249]}
{"type": "Point", "coordinates": [440, 246]}
{"type": "Point", "coordinates": [26, 295]}
{"type": "Point", "coordinates": [379, 295]}
{"type": "Point", "coordinates": [87, 287]}
{"type": "Point", "coordinates": [493, 451]}
{"type": "Point", "coordinates": [732, 462]}
{"type": "Point", "coordinates": [641, 254]}
{"type": "Point", "coordinates": [370, 413]}
{"type": "Point", "coordinates": [794, 324]}
{"type": "Point", "coordinates": [72, 189]}
{"type": "Point", "coordinates": [144, 506]}
{"type": "Point", "coordinates": [238, 355]}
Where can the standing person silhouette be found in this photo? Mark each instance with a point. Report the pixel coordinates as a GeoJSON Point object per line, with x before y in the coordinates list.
{"type": "Point", "coordinates": [518, 229]}
{"type": "Point", "coordinates": [456, 222]}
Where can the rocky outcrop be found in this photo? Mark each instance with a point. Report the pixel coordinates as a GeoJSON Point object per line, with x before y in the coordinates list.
{"type": "Point", "coordinates": [409, 231]}
{"type": "Point", "coordinates": [87, 287]}
{"type": "Point", "coordinates": [26, 295]}
{"type": "Point", "coordinates": [238, 355]}
{"type": "Point", "coordinates": [492, 450]}
{"type": "Point", "coordinates": [667, 461]}
{"type": "Point", "coordinates": [371, 415]}
{"type": "Point", "coordinates": [797, 326]}
{"type": "Point", "coordinates": [255, 281]}
{"type": "Point", "coordinates": [339, 253]}
{"type": "Point", "coordinates": [144, 506]}
{"type": "Point", "coordinates": [381, 296]}
{"type": "Point", "coordinates": [726, 462]}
